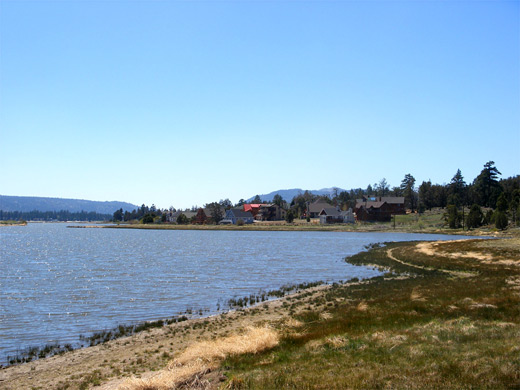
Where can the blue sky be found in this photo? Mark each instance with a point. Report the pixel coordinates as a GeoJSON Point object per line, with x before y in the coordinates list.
{"type": "Point", "coordinates": [184, 103]}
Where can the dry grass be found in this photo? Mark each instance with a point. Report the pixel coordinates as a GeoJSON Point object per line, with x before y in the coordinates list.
{"type": "Point", "coordinates": [203, 357]}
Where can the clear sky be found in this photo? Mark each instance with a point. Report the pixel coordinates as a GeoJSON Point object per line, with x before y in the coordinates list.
{"type": "Point", "coordinates": [184, 103]}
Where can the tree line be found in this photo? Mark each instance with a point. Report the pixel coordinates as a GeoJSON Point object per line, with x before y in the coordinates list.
{"type": "Point", "coordinates": [489, 199]}
{"type": "Point", "coordinates": [62, 216]}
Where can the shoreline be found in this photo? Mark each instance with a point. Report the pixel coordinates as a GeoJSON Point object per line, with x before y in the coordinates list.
{"type": "Point", "coordinates": [53, 369]}
{"type": "Point", "coordinates": [345, 228]}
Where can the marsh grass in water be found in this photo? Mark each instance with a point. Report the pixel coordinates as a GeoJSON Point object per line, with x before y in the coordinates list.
{"type": "Point", "coordinates": [262, 296]}
{"type": "Point", "coordinates": [34, 353]}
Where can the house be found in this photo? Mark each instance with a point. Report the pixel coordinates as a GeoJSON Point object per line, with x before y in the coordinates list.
{"type": "Point", "coordinates": [253, 208]}
{"type": "Point", "coordinates": [335, 215]}
{"type": "Point", "coordinates": [315, 208]}
{"type": "Point", "coordinates": [235, 215]}
{"type": "Point", "coordinates": [395, 203]}
{"type": "Point", "coordinates": [374, 211]}
{"type": "Point", "coordinates": [270, 212]}
{"type": "Point", "coordinates": [201, 217]}
{"type": "Point", "coordinates": [173, 217]}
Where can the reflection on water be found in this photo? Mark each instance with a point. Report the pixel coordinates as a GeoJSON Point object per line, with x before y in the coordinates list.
{"type": "Point", "coordinates": [57, 283]}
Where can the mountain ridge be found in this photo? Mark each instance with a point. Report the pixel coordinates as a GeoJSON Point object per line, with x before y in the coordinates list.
{"type": "Point", "coordinates": [32, 203]}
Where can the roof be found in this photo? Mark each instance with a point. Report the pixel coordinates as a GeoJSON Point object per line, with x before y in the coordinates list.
{"type": "Point", "coordinates": [239, 213]}
{"type": "Point", "coordinates": [331, 211]}
{"type": "Point", "coordinates": [387, 199]}
{"type": "Point", "coordinates": [317, 207]}
{"type": "Point", "coordinates": [368, 205]}
{"type": "Point", "coordinates": [188, 214]}
{"type": "Point", "coordinates": [393, 199]}
{"type": "Point", "coordinates": [251, 206]}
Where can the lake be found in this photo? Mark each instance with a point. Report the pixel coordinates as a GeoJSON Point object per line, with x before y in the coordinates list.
{"type": "Point", "coordinates": [57, 283]}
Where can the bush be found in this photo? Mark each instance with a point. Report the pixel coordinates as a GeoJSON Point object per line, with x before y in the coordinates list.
{"type": "Point", "coordinates": [500, 220]}
{"type": "Point", "coordinates": [182, 219]}
{"type": "Point", "coordinates": [489, 218]}
{"type": "Point", "coordinates": [149, 218]}
{"type": "Point", "coordinates": [475, 217]}
{"type": "Point", "coordinates": [240, 222]}
{"type": "Point", "coordinates": [289, 217]}
{"type": "Point", "coordinates": [453, 217]}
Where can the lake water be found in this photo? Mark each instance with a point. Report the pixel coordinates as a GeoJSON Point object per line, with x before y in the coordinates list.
{"type": "Point", "coordinates": [57, 283]}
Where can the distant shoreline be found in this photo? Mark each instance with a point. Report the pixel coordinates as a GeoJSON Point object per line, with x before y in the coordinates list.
{"type": "Point", "coordinates": [13, 223]}
{"type": "Point", "coordinates": [309, 227]}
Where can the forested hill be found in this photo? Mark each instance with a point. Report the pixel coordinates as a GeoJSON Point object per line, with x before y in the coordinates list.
{"type": "Point", "coordinates": [31, 203]}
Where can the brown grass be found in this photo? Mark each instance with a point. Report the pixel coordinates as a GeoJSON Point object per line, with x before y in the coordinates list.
{"type": "Point", "coordinates": [205, 356]}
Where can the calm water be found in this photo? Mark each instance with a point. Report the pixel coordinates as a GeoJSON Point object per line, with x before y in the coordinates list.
{"type": "Point", "coordinates": [57, 283]}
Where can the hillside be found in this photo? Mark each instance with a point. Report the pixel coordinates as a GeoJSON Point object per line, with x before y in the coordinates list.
{"type": "Point", "coordinates": [288, 195]}
{"type": "Point", "coordinates": [30, 203]}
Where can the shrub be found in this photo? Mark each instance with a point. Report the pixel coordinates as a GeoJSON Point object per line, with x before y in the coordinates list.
{"type": "Point", "coordinates": [475, 217]}
{"type": "Point", "coordinates": [453, 217]}
{"type": "Point", "coordinates": [240, 222]}
{"type": "Point", "coordinates": [182, 219]}
{"type": "Point", "coordinates": [500, 220]}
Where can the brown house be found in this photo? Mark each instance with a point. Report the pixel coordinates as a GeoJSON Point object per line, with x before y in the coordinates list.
{"type": "Point", "coordinates": [395, 204]}
{"type": "Point", "coordinates": [201, 218]}
{"type": "Point", "coordinates": [374, 211]}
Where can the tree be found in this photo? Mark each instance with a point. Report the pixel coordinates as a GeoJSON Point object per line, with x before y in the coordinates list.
{"type": "Point", "coordinates": [407, 186]}
{"type": "Point", "coordinates": [489, 218]}
{"type": "Point", "coordinates": [382, 188]}
{"type": "Point", "coordinates": [256, 199]}
{"type": "Point", "coordinates": [226, 204]}
{"type": "Point", "coordinates": [502, 203]}
{"type": "Point", "coordinates": [278, 200]}
{"type": "Point", "coordinates": [453, 217]}
{"type": "Point", "coordinates": [345, 201]}
{"type": "Point", "coordinates": [216, 211]}
{"type": "Point", "coordinates": [426, 194]}
{"type": "Point", "coordinates": [486, 185]}
{"type": "Point", "coordinates": [514, 205]}
{"type": "Point", "coordinates": [240, 203]}
{"type": "Point", "coordinates": [500, 220]}
{"type": "Point", "coordinates": [457, 190]}
{"type": "Point", "coordinates": [149, 218]}
{"type": "Point", "coordinates": [475, 217]}
{"type": "Point", "coordinates": [118, 215]}
{"type": "Point", "coordinates": [182, 219]}
{"type": "Point", "coordinates": [289, 216]}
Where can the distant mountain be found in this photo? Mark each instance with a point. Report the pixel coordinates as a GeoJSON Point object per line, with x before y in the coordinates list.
{"type": "Point", "coordinates": [31, 203]}
{"type": "Point", "coordinates": [288, 195]}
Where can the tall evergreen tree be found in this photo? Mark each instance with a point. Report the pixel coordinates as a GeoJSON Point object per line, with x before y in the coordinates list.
{"type": "Point", "coordinates": [408, 189]}
{"type": "Point", "coordinates": [426, 194]}
{"type": "Point", "coordinates": [457, 190]}
{"type": "Point", "coordinates": [486, 185]}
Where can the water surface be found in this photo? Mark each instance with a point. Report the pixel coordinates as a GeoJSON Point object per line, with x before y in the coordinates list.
{"type": "Point", "coordinates": [57, 283]}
